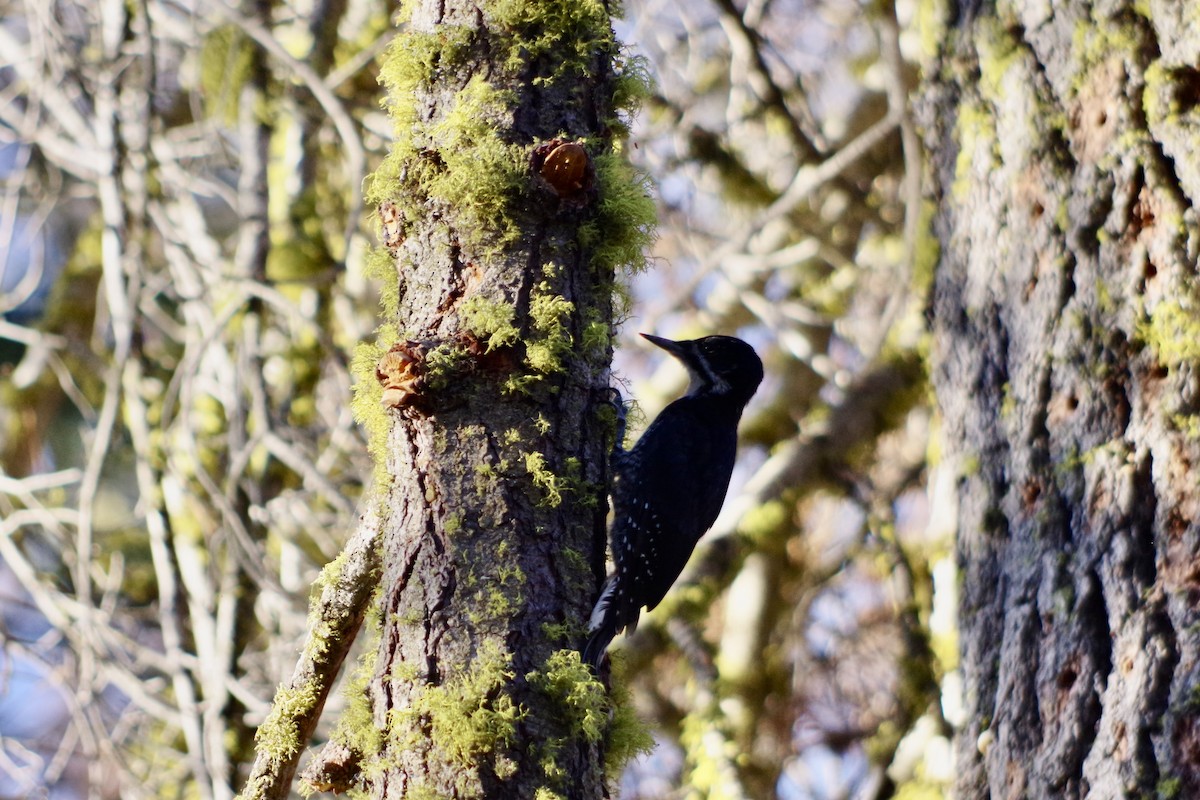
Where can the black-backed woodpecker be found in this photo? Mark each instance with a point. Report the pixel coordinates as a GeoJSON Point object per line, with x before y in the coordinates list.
{"type": "Point", "coordinates": [668, 490]}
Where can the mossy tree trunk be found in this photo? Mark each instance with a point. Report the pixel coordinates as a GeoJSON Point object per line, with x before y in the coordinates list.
{"type": "Point", "coordinates": [1066, 359]}
{"type": "Point", "coordinates": [507, 215]}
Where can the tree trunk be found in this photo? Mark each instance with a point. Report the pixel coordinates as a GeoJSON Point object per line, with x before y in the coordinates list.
{"type": "Point", "coordinates": [507, 214]}
{"type": "Point", "coordinates": [1066, 366]}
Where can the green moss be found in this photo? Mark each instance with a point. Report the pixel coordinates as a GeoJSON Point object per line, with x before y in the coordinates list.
{"type": "Point", "coordinates": [578, 707]}
{"type": "Point", "coordinates": [623, 226]}
{"type": "Point", "coordinates": [551, 340]}
{"type": "Point", "coordinates": [1188, 425]}
{"type": "Point", "coordinates": [597, 335]}
{"type": "Point", "coordinates": [420, 59]}
{"type": "Point", "coordinates": [491, 321]}
{"type": "Point", "coordinates": [543, 478]}
{"type": "Point", "coordinates": [1158, 101]}
{"type": "Point", "coordinates": [423, 791]}
{"type": "Point", "coordinates": [1093, 43]}
{"type": "Point", "coordinates": [444, 363]}
{"type": "Point", "coordinates": [576, 561]}
{"type": "Point", "coordinates": [930, 23]}
{"type": "Point", "coordinates": [356, 728]}
{"type": "Point", "coordinates": [999, 51]}
{"type": "Point", "coordinates": [404, 671]}
{"type": "Point", "coordinates": [317, 644]}
{"type": "Point", "coordinates": [1169, 788]}
{"type": "Point", "coordinates": [460, 161]}
{"type": "Point", "coordinates": [572, 691]}
{"type": "Point", "coordinates": [466, 719]}
{"type": "Point", "coordinates": [379, 266]}
{"type": "Point", "coordinates": [367, 402]}
{"type": "Point", "coordinates": [1008, 402]}
{"type": "Point", "coordinates": [560, 631]}
{"type": "Point", "coordinates": [453, 523]}
{"type": "Point", "coordinates": [1172, 332]}
{"type": "Point", "coordinates": [570, 32]}
{"type": "Point", "coordinates": [278, 737]}
{"type": "Point", "coordinates": [627, 736]}
{"type": "Point", "coordinates": [495, 588]}
{"type": "Point", "coordinates": [479, 174]}
{"type": "Point", "coordinates": [632, 86]}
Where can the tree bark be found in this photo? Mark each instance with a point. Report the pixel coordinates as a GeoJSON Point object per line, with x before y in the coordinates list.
{"type": "Point", "coordinates": [1065, 330]}
{"type": "Point", "coordinates": [507, 215]}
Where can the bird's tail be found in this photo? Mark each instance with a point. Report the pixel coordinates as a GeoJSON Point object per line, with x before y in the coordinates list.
{"type": "Point", "coordinates": [608, 618]}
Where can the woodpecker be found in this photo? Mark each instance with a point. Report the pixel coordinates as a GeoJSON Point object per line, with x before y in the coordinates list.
{"type": "Point", "coordinates": [668, 490]}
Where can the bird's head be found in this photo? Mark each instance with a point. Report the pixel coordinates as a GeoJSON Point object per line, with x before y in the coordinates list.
{"type": "Point", "coordinates": [717, 365]}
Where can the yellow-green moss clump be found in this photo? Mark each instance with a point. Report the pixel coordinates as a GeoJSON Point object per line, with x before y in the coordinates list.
{"type": "Point", "coordinates": [551, 340]}
{"type": "Point", "coordinates": [479, 173]}
{"type": "Point", "coordinates": [367, 403]}
{"type": "Point", "coordinates": [623, 225]}
{"type": "Point", "coordinates": [570, 31]}
{"type": "Point", "coordinates": [459, 161]}
{"type": "Point", "coordinates": [356, 728]}
{"type": "Point", "coordinates": [543, 478]}
{"type": "Point", "coordinates": [574, 693]}
{"type": "Point", "coordinates": [580, 707]}
{"type": "Point", "coordinates": [490, 321]}
{"type": "Point", "coordinates": [278, 736]}
{"type": "Point", "coordinates": [1172, 332]}
{"type": "Point", "coordinates": [495, 588]}
{"type": "Point", "coordinates": [467, 720]}
{"type": "Point", "coordinates": [627, 736]}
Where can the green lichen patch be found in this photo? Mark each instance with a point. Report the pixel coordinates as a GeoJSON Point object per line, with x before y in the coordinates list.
{"type": "Point", "coordinates": [490, 321]}
{"type": "Point", "coordinates": [458, 161]}
{"type": "Point", "coordinates": [380, 266]}
{"type": "Point", "coordinates": [445, 363]}
{"type": "Point", "coordinates": [544, 478]}
{"type": "Point", "coordinates": [549, 315]}
{"type": "Point", "coordinates": [573, 694]}
{"type": "Point", "coordinates": [419, 59]}
{"type": "Point", "coordinates": [476, 173]}
{"type": "Point", "coordinates": [571, 32]}
{"type": "Point", "coordinates": [468, 720]}
{"type": "Point", "coordinates": [278, 737]}
{"type": "Point", "coordinates": [1172, 332]}
{"type": "Point", "coordinates": [632, 85]}
{"type": "Point", "coordinates": [366, 404]}
{"type": "Point", "coordinates": [597, 336]}
{"type": "Point", "coordinates": [622, 228]}
{"type": "Point", "coordinates": [627, 736]}
{"type": "Point", "coordinates": [495, 588]}
{"type": "Point", "coordinates": [574, 706]}
{"type": "Point", "coordinates": [975, 131]}
{"type": "Point", "coordinates": [356, 728]}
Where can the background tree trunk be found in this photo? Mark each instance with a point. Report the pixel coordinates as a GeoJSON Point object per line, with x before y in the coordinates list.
{"type": "Point", "coordinates": [1065, 351]}
{"type": "Point", "coordinates": [494, 461]}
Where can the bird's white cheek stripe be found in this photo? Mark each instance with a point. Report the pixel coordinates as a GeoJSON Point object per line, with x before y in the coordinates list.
{"type": "Point", "coordinates": [719, 384]}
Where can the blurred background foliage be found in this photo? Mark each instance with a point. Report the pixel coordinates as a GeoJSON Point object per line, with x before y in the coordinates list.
{"type": "Point", "coordinates": [184, 254]}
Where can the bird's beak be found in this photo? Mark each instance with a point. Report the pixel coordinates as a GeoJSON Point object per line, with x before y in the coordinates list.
{"type": "Point", "coordinates": [674, 348]}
